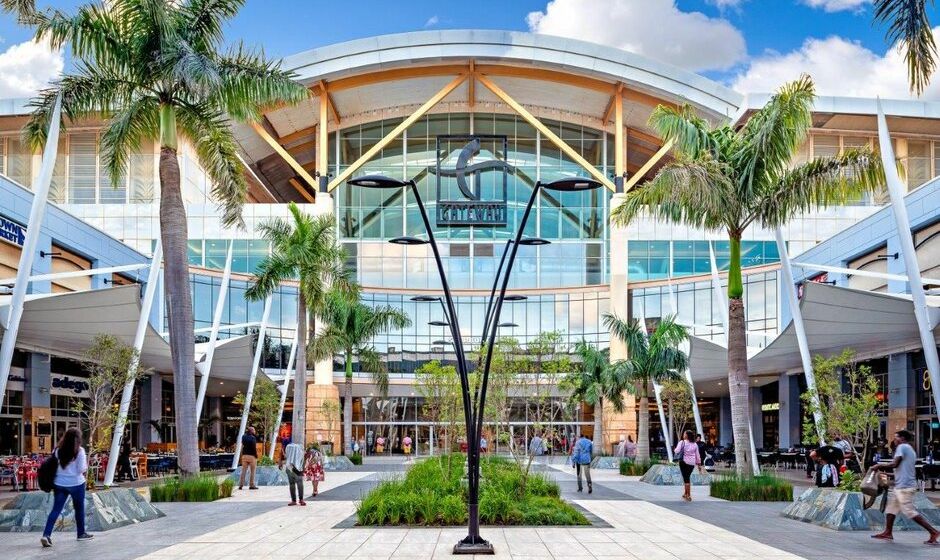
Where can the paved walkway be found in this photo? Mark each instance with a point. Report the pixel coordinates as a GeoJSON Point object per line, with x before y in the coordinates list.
{"type": "Point", "coordinates": [645, 523]}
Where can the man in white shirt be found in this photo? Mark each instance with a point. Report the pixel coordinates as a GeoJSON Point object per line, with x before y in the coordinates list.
{"type": "Point", "coordinates": [901, 495]}
{"type": "Point", "coordinates": [294, 466]}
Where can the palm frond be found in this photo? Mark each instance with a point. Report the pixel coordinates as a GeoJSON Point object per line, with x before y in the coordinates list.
{"type": "Point", "coordinates": [909, 28]}
{"type": "Point", "coordinates": [690, 134]}
{"type": "Point", "coordinates": [820, 183]}
{"type": "Point", "coordinates": [203, 20]}
{"type": "Point", "coordinates": [137, 121]}
{"type": "Point", "coordinates": [271, 271]}
{"type": "Point", "coordinates": [251, 82]}
{"type": "Point", "coordinates": [371, 361]}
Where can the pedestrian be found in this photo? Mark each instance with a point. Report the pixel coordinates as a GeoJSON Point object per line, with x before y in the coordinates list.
{"type": "Point", "coordinates": [295, 460]}
{"type": "Point", "coordinates": [249, 458]}
{"type": "Point", "coordinates": [581, 455]}
{"type": "Point", "coordinates": [702, 453]}
{"type": "Point", "coordinates": [406, 445]}
{"type": "Point", "coordinates": [629, 448]}
{"type": "Point", "coordinates": [688, 455]}
{"type": "Point", "coordinates": [536, 447]}
{"type": "Point", "coordinates": [827, 474]}
{"type": "Point", "coordinates": [356, 447]}
{"type": "Point", "coordinates": [124, 460]}
{"type": "Point", "coordinates": [483, 444]}
{"type": "Point", "coordinates": [621, 450]}
{"type": "Point", "coordinates": [69, 481]}
{"type": "Point", "coordinates": [901, 495]}
{"type": "Point", "coordinates": [314, 469]}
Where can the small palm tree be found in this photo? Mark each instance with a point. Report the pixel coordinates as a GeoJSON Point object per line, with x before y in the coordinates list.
{"type": "Point", "coordinates": [596, 383]}
{"type": "Point", "coordinates": [909, 27]}
{"type": "Point", "coordinates": [351, 326]}
{"type": "Point", "coordinates": [303, 248]}
{"type": "Point", "coordinates": [654, 358]}
{"type": "Point", "coordinates": [154, 69]}
{"type": "Point", "coordinates": [727, 178]}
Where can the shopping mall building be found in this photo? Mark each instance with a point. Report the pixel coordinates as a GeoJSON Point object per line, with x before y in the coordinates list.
{"type": "Point", "coordinates": [509, 110]}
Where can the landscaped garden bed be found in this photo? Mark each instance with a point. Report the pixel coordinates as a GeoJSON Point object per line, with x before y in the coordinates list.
{"type": "Point", "coordinates": [636, 468]}
{"type": "Point", "coordinates": [201, 488]}
{"type": "Point", "coordinates": [434, 492]}
{"type": "Point", "coordinates": [763, 488]}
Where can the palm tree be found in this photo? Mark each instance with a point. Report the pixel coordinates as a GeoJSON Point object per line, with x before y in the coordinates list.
{"type": "Point", "coordinates": [730, 178]}
{"type": "Point", "coordinates": [597, 382]}
{"type": "Point", "coordinates": [909, 27]}
{"type": "Point", "coordinates": [304, 248]}
{"type": "Point", "coordinates": [351, 326]}
{"type": "Point", "coordinates": [155, 71]}
{"type": "Point", "coordinates": [654, 358]}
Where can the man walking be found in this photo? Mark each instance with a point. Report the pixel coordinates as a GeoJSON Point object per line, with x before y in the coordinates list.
{"type": "Point", "coordinates": [294, 466]}
{"type": "Point", "coordinates": [249, 458]}
{"type": "Point", "coordinates": [581, 459]}
{"type": "Point", "coordinates": [901, 495]}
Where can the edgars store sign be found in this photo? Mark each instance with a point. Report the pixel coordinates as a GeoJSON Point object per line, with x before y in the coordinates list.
{"type": "Point", "coordinates": [12, 232]}
{"type": "Point", "coordinates": [70, 386]}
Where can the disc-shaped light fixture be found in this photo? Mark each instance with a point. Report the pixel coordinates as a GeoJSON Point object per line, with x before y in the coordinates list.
{"type": "Point", "coordinates": [534, 241]}
{"type": "Point", "coordinates": [438, 323]}
{"type": "Point", "coordinates": [572, 184]}
{"type": "Point", "coordinates": [515, 297]}
{"type": "Point", "coordinates": [407, 241]}
{"type": "Point", "coordinates": [376, 182]}
{"type": "Point", "coordinates": [425, 299]}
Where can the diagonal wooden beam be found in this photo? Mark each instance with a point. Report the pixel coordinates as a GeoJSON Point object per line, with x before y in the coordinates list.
{"type": "Point", "coordinates": [329, 99]}
{"type": "Point", "coordinates": [647, 166]}
{"type": "Point", "coordinates": [471, 91]}
{"type": "Point", "coordinates": [283, 153]}
{"type": "Point", "coordinates": [609, 110]}
{"type": "Point", "coordinates": [546, 132]}
{"type": "Point", "coordinates": [410, 120]}
{"type": "Point", "coordinates": [300, 189]}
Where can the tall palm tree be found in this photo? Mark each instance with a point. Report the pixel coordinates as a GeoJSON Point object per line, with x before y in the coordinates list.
{"type": "Point", "coordinates": [351, 326]}
{"type": "Point", "coordinates": [730, 178]}
{"type": "Point", "coordinates": [654, 358]}
{"type": "Point", "coordinates": [597, 382]}
{"type": "Point", "coordinates": [303, 248]}
{"type": "Point", "coordinates": [909, 28]}
{"type": "Point", "coordinates": [155, 70]}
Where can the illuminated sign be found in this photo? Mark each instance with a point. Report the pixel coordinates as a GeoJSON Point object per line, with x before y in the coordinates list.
{"type": "Point", "coordinates": [12, 231]}
{"type": "Point", "coordinates": [472, 177]}
{"type": "Point", "coordinates": [771, 406]}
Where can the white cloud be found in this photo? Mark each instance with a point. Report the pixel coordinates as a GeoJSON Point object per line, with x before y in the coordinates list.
{"type": "Point", "coordinates": [838, 66]}
{"type": "Point", "coordinates": [724, 4]}
{"type": "Point", "coordinates": [838, 5]}
{"type": "Point", "coordinates": [653, 28]}
{"type": "Point", "coordinates": [25, 68]}
{"type": "Point", "coordinates": [432, 21]}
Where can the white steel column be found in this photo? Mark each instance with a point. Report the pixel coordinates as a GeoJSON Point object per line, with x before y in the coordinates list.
{"type": "Point", "coordinates": [696, 413]}
{"type": "Point", "coordinates": [153, 278]}
{"type": "Point", "coordinates": [206, 366]}
{"type": "Point", "coordinates": [30, 245]}
{"type": "Point", "coordinates": [790, 288]}
{"type": "Point", "coordinates": [255, 364]}
{"type": "Point", "coordinates": [896, 191]}
{"type": "Point", "coordinates": [284, 389]}
{"type": "Point", "coordinates": [723, 305]}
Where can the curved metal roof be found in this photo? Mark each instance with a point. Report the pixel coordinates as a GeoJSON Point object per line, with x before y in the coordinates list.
{"type": "Point", "coordinates": [571, 55]}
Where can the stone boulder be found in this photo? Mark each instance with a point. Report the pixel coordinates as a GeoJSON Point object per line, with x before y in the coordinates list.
{"type": "Point", "coordinates": [669, 475]}
{"type": "Point", "coordinates": [264, 476]}
{"type": "Point", "coordinates": [842, 511]}
{"type": "Point", "coordinates": [104, 510]}
{"type": "Point", "coordinates": [606, 463]}
{"type": "Point", "coordinates": [337, 463]}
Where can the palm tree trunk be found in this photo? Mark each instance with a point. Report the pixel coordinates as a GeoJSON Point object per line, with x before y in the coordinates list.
{"type": "Point", "coordinates": [599, 426]}
{"type": "Point", "coordinates": [737, 362]}
{"type": "Point", "coordinates": [299, 420]}
{"type": "Point", "coordinates": [347, 407]}
{"type": "Point", "coordinates": [643, 428]}
{"type": "Point", "coordinates": [179, 303]}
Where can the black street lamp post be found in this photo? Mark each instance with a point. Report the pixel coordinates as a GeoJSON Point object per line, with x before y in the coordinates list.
{"type": "Point", "coordinates": [473, 405]}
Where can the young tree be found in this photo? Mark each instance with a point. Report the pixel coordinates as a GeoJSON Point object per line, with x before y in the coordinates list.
{"type": "Point", "coordinates": [351, 326]}
{"type": "Point", "coordinates": [302, 248]}
{"type": "Point", "coordinates": [654, 358]}
{"type": "Point", "coordinates": [727, 177]}
{"type": "Point", "coordinates": [265, 406]}
{"type": "Point", "coordinates": [440, 388]}
{"type": "Point", "coordinates": [156, 70]}
{"type": "Point", "coordinates": [677, 399]}
{"type": "Point", "coordinates": [848, 401]}
{"type": "Point", "coordinates": [110, 365]}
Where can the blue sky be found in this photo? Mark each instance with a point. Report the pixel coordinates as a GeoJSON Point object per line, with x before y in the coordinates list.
{"type": "Point", "coordinates": [747, 44]}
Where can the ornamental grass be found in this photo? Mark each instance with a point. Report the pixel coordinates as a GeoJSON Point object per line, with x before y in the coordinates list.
{"type": "Point", "coordinates": [636, 468]}
{"type": "Point", "coordinates": [200, 488]}
{"type": "Point", "coordinates": [763, 488]}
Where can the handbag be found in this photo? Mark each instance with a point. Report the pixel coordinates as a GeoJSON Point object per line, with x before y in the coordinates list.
{"type": "Point", "coordinates": [873, 485]}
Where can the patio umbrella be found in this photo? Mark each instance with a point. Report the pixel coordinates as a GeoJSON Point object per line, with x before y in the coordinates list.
{"type": "Point", "coordinates": [831, 454]}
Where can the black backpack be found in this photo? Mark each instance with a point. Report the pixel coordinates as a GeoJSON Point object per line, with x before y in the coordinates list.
{"type": "Point", "coordinates": [47, 472]}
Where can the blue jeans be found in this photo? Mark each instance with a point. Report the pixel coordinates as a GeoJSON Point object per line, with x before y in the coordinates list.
{"type": "Point", "coordinates": [61, 494]}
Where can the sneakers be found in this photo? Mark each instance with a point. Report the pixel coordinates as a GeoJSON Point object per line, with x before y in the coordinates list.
{"type": "Point", "coordinates": [241, 487]}
{"type": "Point", "coordinates": [294, 503]}
{"type": "Point", "coordinates": [303, 503]}
{"type": "Point", "coordinates": [85, 536]}
{"type": "Point", "coordinates": [590, 488]}
{"type": "Point", "coordinates": [46, 541]}
{"type": "Point", "coordinates": [251, 488]}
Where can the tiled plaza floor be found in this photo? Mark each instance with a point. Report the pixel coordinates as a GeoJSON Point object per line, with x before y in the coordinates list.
{"type": "Point", "coordinates": [645, 523]}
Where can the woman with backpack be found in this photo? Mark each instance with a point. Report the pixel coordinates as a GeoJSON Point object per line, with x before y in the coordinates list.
{"type": "Point", "coordinates": [688, 455]}
{"type": "Point", "coordinates": [69, 481]}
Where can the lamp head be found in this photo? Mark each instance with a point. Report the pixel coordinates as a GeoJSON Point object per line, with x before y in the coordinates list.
{"type": "Point", "coordinates": [441, 342]}
{"type": "Point", "coordinates": [508, 325]}
{"type": "Point", "coordinates": [534, 241]}
{"type": "Point", "coordinates": [425, 299]}
{"type": "Point", "coordinates": [572, 184]}
{"type": "Point", "coordinates": [408, 241]}
{"type": "Point", "coordinates": [515, 297]}
{"type": "Point", "coordinates": [438, 323]}
{"type": "Point", "coordinates": [377, 182]}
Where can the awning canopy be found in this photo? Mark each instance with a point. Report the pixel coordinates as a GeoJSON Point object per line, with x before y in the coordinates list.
{"type": "Point", "coordinates": [66, 325]}
{"type": "Point", "coordinates": [871, 323]}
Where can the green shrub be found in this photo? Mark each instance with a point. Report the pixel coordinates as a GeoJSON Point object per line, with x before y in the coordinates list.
{"type": "Point", "coordinates": [434, 492]}
{"type": "Point", "coordinates": [849, 481]}
{"type": "Point", "coordinates": [356, 458]}
{"type": "Point", "coordinates": [636, 468]}
{"type": "Point", "coordinates": [762, 488]}
{"type": "Point", "coordinates": [266, 461]}
{"type": "Point", "coordinates": [202, 488]}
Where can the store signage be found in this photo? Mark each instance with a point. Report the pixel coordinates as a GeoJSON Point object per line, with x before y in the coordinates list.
{"type": "Point", "coordinates": [64, 385]}
{"type": "Point", "coordinates": [478, 164]}
{"type": "Point", "coordinates": [12, 231]}
{"type": "Point", "coordinates": [768, 407]}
